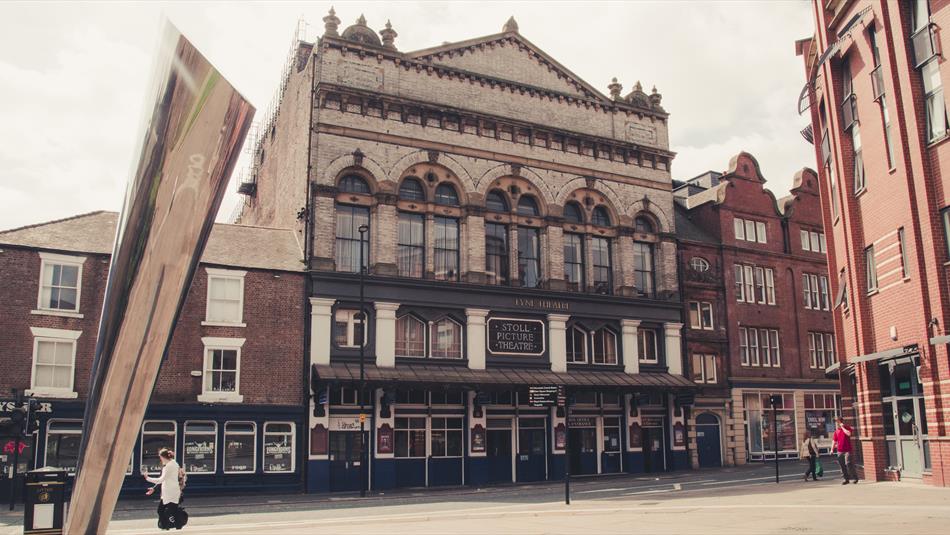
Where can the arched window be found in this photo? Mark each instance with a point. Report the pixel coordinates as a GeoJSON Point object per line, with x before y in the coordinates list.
{"type": "Point", "coordinates": [410, 337]}
{"type": "Point", "coordinates": [445, 194]}
{"type": "Point", "coordinates": [411, 190]}
{"type": "Point", "coordinates": [446, 339]}
{"type": "Point", "coordinates": [496, 202]}
{"type": "Point", "coordinates": [699, 264]}
{"type": "Point", "coordinates": [572, 213]}
{"type": "Point", "coordinates": [605, 346]}
{"type": "Point", "coordinates": [576, 345]}
{"type": "Point", "coordinates": [600, 217]}
{"type": "Point", "coordinates": [528, 206]}
{"type": "Point", "coordinates": [354, 184]}
{"type": "Point", "coordinates": [643, 225]}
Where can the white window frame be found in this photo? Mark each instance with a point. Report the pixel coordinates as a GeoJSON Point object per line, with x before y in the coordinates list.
{"type": "Point", "coordinates": [184, 453]}
{"type": "Point", "coordinates": [700, 323]}
{"type": "Point", "coordinates": [761, 237]}
{"type": "Point", "coordinates": [740, 282]}
{"type": "Point", "coordinates": [425, 334]}
{"type": "Point", "coordinates": [350, 318]}
{"type": "Point", "coordinates": [293, 447]}
{"type": "Point", "coordinates": [578, 332]}
{"type": "Point", "coordinates": [749, 277]}
{"type": "Point", "coordinates": [776, 348]}
{"type": "Point", "coordinates": [593, 344]}
{"type": "Point", "coordinates": [64, 260]}
{"type": "Point", "coordinates": [50, 424]}
{"type": "Point", "coordinates": [769, 286]}
{"type": "Point", "coordinates": [224, 274]}
{"type": "Point", "coordinates": [432, 342]}
{"type": "Point", "coordinates": [224, 452]}
{"type": "Point", "coordinates": [706, 375]}
{"type": "Point", "coordinates": [749, 230]}
{"type": "Point", "coordinates": [227, 344]}
{"type": "Point", "coordinates": [744, 346]}
{"type": "Point", "coordinates": [806, 241]}
{"type": "Point", "coordinates": [739, 228]}
{"type": "Point", "coordinates": [656, 346]}
{"type": "Point", "coordinates": [42, 334]}
{"type": "Point", "coordinates": [142, 434]}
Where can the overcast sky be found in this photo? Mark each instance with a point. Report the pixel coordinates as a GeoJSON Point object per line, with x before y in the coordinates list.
{"type": "Point", "coordinates": [73, 75]}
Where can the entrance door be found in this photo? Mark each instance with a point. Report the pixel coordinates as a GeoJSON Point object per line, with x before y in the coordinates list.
{"type": "Point", "coordinates": [654, 458]}
{"type": "Point", "coordinates": [499, 450]}
{"type": "Point", "coordinates": [708, 441]}
{"type": "Point", "coordinates": [344, 460]}
{"type": "Point", "coordinates": [583, 444]}
{"type": "Point", "coordinates": [905, 420]}
{"type": "Point", "coordinates": [532, 449]}
{"type": "Point", "coordinates": [909, 437]}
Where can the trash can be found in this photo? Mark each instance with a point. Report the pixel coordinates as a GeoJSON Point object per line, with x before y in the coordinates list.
{"type": "Point", "coordinates": [44, 502]}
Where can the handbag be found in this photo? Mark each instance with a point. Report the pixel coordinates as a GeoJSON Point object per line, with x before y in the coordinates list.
{"type": "Point", "coordinates": [819, 470]}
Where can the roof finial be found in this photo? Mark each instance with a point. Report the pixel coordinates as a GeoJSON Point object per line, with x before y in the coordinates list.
{"type": "Point", "coordinates": [362, 20]}
{"type": "Point", "coordinates": [511, 25]}
{"type": "Point", "coordinates": [389, 35]}
{"type": "Point", "coordinates": [655, 98]}
{"type": "Point", "coordinates": [638, 87]}
{"type": "Point", "coordinates": [330, 23]}
{"type": "Point", "coordinates": [614, 88]}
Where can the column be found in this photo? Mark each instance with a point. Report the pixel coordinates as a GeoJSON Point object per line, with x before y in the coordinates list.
{"type": "Point", "coordinates": [557, 326]}
{"type": "Point", "coordinates": [674, 348]}
{"type": "Point", "coordinates": [472, 253]}
{"type": "Point", "coordinates": [475, 337]}
{"type": "Point", "coordinates": [631, 345]}
{"type": "Point", "coordinates": [321, 321]}
{"type": "Point", "coordinates": [386, 334]}
{"type": "Point", "coordinates": [385, 230]}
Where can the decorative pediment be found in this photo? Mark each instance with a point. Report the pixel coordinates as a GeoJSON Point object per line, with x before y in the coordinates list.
{"type": "Point", "coordinates": [509, 56]}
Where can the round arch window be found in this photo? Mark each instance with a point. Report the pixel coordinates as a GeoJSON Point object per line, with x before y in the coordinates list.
{"type": "Point", "coordinates": [496, 202]}
{"type": "Point", "coordinates": [600, 217]}
{"type": "Point", "coordinates": [445, 194]}
{"type": "Point", "coordinates": [411, 190]}
{"type": "Point", "coordinates": [354, 184]}
{"type": "Point", "coordinates": [527, 206]}
{"type": "Point", "coordinates": [572, 213]}
{"type": "Point", "coordinates": [643, 225]}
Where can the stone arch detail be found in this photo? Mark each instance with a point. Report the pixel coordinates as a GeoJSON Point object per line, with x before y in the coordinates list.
{"type": "Point", "coordinates": [505, 169]}
{"type": "Point", "coordinates": [340, 163]}
{"type": "Point", "coordinates": [443, 159]}
{"type": "Point", "coordinates": [653, 209]}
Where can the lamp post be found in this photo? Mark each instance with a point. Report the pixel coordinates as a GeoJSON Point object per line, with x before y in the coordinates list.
{"type": "Point", "coordinates": [363, 229]}
{"type": "Point", "coordinates": [775, 400]}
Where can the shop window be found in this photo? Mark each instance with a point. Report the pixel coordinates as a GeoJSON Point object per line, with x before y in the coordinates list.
{"type": "Point", "coordinates": [446, 436]}
{"type": "Point", "coordinates": [410, 438]}
{"type": "Point", "coordinates": [60, 282]}
{"type": "Point", "coordinates": [411, 190]}
{"type": "Point", "coordinates": [446, 339]}
{"type": "Point", "coordinates": [495, 202]}
{"type": "Point", "coordinates": [225, 297]}
{"type": "Point", "coordinates": [410, 396]}
{"type": "Point", "coordinates": [585, 397]}
{"type": "Point", "coordinates": [611, 434]}
{"type": "Point", "coordinates": [610, 399]}
{"type": "Point", "coordinates": [531, 436]}
{"type": "Point", "coordinates": [348, 329]}
{"type": "Point", "coordinates": [600, 217]}
{"type": "Point", "coordinates": [278, 447]}
{"type": "Point", "coordinates": [643, 267]}
{"type": "Point", "coordinates": [240, 447]}
{"type": "Point", "coordinates": [348, 221]}
{"type": "Point", "coordinates": [503, 397]}
{"type": "Point", "coordinates": [354, 184]}
{"type": "Point", "coordinates": [156, 434]}
{"type": "Point", "coordinates": [648, 346]}
{"type": "Point", "coordinates": [222, 370]}
{"type": "Point", "coordinates": [446, 248]}
{"type": "Point", "coordinates": [529, 257]}
{"type": "Point", "coordinates": [54, 361]}
{"type": "Point", "coordinates": [602, 268]}
{"type": "Point", "coordinates": [496, 253]}
{"type": "Point", "coordinates": [576, 345]}
{"type": "Point", "coordinates": [411, 245]}
{"type": "Point", "coordinates": [446, 196]}
{"type": "Point", "coordinates": [527, 206]}
{"type": "Point", "coordinates": [605, 346]}
{"type": "Point", "coordinates": [760, 422]}
{"type": "Point", "coordinates": [574, 261]}
{"type": "Point", "coordinates": [446, 397]}
{"type": "Point", "coordinates": [201, 447]}
{"type": "Point", "coordinates": [410, 337]}
{"type": "Point", "coordinates": [573, 213]}
{"type": "Point", "coordinates": [820, 412]}
{"type": "Point", "coordinates": [62, 444]}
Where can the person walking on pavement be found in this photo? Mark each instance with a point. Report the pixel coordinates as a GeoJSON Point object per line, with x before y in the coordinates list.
{"type": "Point", "coordinates": [169, 515]}
{"type": "Point", "coordinates": [842, 447]}
{"type": "Point", "coordinates": [809, 452]}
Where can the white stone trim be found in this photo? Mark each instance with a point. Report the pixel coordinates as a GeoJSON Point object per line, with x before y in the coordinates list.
{"type": "Point", "coordinates": [475, 330]}
{"type": "Point", "coordinates": [674, 347]}
{"type": "Point", "coordinates": [218, 273]}
{"type": "Point", "coordinates": [211, 343]}
{"type": "Point", "coordinates": [321, 321]}
{"type": "Point", "coordinates": [557, 329]}
{"type": "Point", "coordinates": [59, 313]}
{"type": "Point", "coordinates": [43, 334]}
{"type": "Point", "coordinates": [629, 332]}
{"type": "Point", "coordinates": [386, 333]}
{"type": "Point", "coordinates": [53, 258]}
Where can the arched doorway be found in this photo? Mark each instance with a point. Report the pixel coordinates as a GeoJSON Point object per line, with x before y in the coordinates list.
{"type": "Point", "coordinates": [708, 441]}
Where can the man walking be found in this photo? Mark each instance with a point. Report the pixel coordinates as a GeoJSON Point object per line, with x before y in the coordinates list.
{"type": "Point", "coordinates": [842, 447]}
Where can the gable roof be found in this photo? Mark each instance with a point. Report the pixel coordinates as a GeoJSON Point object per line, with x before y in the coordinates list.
{"type": "Point", "coordinates": [556, 76]}
{"type": "Point", "coordinates": [228, 245]}
{"type": "Point", "coordinates": [687, 229]}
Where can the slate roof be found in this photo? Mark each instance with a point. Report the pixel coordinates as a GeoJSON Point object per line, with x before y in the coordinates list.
{"type": "Point", "coordinates": [686, 229]}
{"type": "Point", "coordinates": [228, 245]}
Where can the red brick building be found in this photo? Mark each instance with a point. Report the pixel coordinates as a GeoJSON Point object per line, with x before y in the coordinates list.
{"type": "Point", "coordinates": [874, 95]}
{"type": "Point", "coordinates": [230, 395]}
{"type": "Point", "coordinates": [757, 303]}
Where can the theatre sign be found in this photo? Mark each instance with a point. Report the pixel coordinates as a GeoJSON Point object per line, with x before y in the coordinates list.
{"type": "Point", "coordinates": [516, 337]}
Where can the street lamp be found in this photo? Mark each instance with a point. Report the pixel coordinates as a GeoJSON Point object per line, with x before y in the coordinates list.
{"type": "Point", "coordinates": [363, 229]}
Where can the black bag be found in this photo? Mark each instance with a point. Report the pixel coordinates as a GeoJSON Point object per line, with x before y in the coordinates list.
{"type": "Point", "coordinates": [170, 515]}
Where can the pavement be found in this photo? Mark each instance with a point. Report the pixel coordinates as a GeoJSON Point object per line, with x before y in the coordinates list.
{"type": "Point", "coordinates": [740, 500]}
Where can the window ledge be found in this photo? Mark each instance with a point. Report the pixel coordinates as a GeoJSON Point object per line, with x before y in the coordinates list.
{"type": "Point", "coordinates": [937, 141]}
{"type": "Point", "coordinates": [892, 170]}
{"type": "Point", "coordinates": [222, 324]}
{"type": "Point", "coordinates": [860, 192]}
{"type": "Point", "coordinates": [874, 292]}
{"type": "Point", "coordinates": [217, 397]}
{"type": "Point", "coordinates": [61, 313]}
{"type": "Point", "coordinates": [51, 393]}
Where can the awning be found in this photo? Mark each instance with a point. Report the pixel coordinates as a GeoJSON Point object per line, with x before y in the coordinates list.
{"type": "Point", "coordinates": [937, 340]}
{"type": "Point", "coordinates": [909, 351]}
{"type": "Point", "coordinates": [432, 375]}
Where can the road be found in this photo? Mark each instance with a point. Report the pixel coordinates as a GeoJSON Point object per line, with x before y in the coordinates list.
{"type": "Point", "coordinates": [729, 501]}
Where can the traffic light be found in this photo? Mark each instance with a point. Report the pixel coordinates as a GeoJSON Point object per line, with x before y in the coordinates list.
{"type": "Point", "coordinates": [32, 417]}
{"type": "Point", "coordinates": [18, 418]}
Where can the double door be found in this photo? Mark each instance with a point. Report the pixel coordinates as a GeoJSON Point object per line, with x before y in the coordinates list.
{"type": "Point", "coordinates": [499, 451]}
{"type": "Point", "coordinates": [905, 419]}
{"type": "Point", "coordinates": [345, 459]}
{"type": "Point", "coordinates": [654, 449]}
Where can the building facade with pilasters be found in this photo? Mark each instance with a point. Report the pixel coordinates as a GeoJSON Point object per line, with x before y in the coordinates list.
{"type": "Point", "coordinates": [520, 232]}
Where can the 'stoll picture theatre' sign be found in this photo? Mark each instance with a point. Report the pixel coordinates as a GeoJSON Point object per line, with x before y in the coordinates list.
{"type": "Point", "coordinates": [518, 337]}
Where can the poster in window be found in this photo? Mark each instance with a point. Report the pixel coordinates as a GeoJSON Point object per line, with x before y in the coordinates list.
{"type": "Point", "coordinates": [679, 434]}
{"type": "Point", "coordinates": [560, 437]}
{"type": "Point", "coordinates": [318, 440]}
{"type": "Point", "coordinates": [384, 439]}
{"type": "Point", "coordinates": [636, 436]}
{"type": "Point", "coordinates": [478, 438]}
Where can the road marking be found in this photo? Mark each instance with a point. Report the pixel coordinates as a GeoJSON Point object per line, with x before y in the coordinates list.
{"type": "Point", "coordinates": [622, 489]}
{"type": "Point", "coordinates": [783, 476]}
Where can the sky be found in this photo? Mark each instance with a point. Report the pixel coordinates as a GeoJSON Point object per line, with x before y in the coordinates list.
{"type": "Point", "coordinates": [73, 77]}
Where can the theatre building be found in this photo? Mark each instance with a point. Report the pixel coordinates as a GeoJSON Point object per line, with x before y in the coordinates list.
{"type": "Point", "coordinates": [878, 115]}
{"type": "Point", "coordinates": [520, 232]}
{"type": "Point", "coordinates": [229, 398]}
{"type": "Point", "coordinates": [758, 308]}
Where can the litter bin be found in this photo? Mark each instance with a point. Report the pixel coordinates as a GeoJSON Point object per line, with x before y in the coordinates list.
{"type": "Point", "coordinates": [44, 501]}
